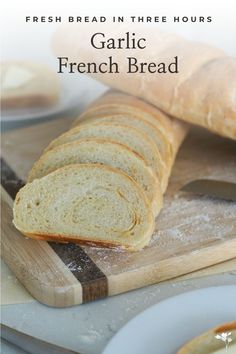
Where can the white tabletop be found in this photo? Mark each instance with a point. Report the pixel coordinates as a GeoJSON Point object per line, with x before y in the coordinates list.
{"type": "Point", "coordinates": [88, 328]}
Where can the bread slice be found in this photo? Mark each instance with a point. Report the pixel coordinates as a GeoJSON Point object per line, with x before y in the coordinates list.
{"type": "Point", "coordinates": [213, 341]}
{"type": "Point", "coordinates": [148, 128]}
{"type": "Point", "coordinates": [121, 133]}
{"type": "Point", "coordinates": [88, 204]}
{"type": "Point", "coordinates": [94, 150]}
{"type": "Point", "coordinates": [116, 102]}
{"type": "Point", "coordinates": [28, 84]}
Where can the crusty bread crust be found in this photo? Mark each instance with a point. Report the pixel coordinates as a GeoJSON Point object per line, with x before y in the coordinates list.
{"type": "Point", "coordinates": [80, 241]}
{"type": "Point", "coordinates": [202, 92]}
{"type": "Point", "coordinates": [230, 326]}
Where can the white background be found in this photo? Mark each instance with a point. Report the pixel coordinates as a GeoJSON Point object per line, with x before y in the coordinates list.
{"type": "Point", "coordinates": [32, 39]}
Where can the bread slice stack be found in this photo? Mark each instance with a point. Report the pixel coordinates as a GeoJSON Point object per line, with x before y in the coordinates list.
{"type": "Point", "coordinates": [102, 182]}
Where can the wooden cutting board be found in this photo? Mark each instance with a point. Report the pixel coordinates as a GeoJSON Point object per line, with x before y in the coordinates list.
{"type": "Point", "coordinates": [192, 232]}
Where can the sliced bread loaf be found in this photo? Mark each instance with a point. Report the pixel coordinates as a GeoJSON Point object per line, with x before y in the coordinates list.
{"type": "Point", "coordinates": [129, 136]}
{"type": "Point", "coordinates": [115, 102]}
{"type": "Point", "coordinates": [148, 128]}
{"type": "Point", "coordinates": [96, 150]}
{"type": "Point", "coordinates": [90, 204]}
{"type": "Point", "coordinates": [116, 108]}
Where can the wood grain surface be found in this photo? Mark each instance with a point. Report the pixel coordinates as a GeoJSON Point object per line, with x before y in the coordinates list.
{"type": "Point", "coordinates": [192, 232]}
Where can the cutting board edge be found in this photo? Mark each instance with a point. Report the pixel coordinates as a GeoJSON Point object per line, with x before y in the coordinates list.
{"type": "Point", "coordinates": [131, 279]}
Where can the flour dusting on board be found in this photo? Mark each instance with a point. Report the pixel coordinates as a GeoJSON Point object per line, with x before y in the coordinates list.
{"type": "Point", "coordinates": [194, 220]}
{"type": "Point", "coordinates": [178, 226]}
{"type": "Point", "coordinates": [187, 223]}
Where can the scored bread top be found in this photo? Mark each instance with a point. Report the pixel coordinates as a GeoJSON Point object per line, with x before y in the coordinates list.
{"type": "Point", "coordinates": [85, 203]}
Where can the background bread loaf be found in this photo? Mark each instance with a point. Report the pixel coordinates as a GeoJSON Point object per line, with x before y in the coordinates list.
{"type": "Point", "coordinates": [203, 91]}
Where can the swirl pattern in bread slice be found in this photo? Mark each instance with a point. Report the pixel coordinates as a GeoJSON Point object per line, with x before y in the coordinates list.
{"type": "Point", "coordinates": [116, 102]}
{"type": "Point", "coordinates": [85, 203]}
{"type": "Point", "coordinates": [94, 150]}
{"type": "Point", "coordinates": [131, 137]}
{"type": "Point", "coordinates": [163, 145]}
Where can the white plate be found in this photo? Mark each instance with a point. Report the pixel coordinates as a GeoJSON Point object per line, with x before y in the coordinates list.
{"type": "Point", "coordinates": [76, 92]}
{"type": "Point", "coordinates": [165, 327]}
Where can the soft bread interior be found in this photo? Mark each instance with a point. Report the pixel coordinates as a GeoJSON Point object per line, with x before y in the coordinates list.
{"type": "Point", "coordinates": [94, 150]}
{"type": "Point", "coordinates": [126, 135]}
{"type": "Point", "coordinates": [162, 143]}
{"type": "Point", "coordinates": [115, 102]}
{"type": "Point", "coordinates": [85, 203]}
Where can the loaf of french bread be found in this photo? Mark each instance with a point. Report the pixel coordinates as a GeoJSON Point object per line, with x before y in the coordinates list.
{"type": "Point", "coordinates": [120, 142]}
{"type": "Point", "coordinates": [201, 89]}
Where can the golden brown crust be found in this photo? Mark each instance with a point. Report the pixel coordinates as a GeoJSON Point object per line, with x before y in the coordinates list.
{"type": "Point", "coordinates": [230, 326]}
{"type": "Point", "coordinates": [80, 241]}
